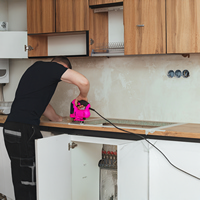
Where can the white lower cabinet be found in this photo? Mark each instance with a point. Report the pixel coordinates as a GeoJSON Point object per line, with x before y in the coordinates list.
{"type": "Point", "coordinates": [74, 174]}
{"type": "Point", "coordinates": [142, 172]}
{"type": "Point", "coordinates": [168, 183]}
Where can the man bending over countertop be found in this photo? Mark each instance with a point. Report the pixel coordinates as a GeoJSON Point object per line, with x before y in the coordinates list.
{"type": "Point", "coordinates": [34, 92]}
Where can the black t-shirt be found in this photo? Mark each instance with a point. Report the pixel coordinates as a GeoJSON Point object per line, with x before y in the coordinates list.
{"type": "Point", "coordinates": [35, 91]}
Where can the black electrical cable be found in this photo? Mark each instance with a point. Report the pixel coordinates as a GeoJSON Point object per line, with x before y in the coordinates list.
{"type": "Point", "coordinates": [146, 141]}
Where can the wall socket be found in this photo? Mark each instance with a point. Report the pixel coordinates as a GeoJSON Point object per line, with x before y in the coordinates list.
{"type": "Point", "coordinates": [3, 26]}
{"type": "Point", "coordinates": [178, 73]}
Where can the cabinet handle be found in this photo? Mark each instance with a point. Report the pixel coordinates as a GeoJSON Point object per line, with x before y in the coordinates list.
{"type": "Point", "coordinates": [29, 48]}
{"type": "Point", "coordinates": [3, 25]}
{"type": "Point", "coordinates": [91, 41]}
{"type": "Point", "coordinates": [140, 25]}
{"type": "Point", "coordinates": [72, 146]}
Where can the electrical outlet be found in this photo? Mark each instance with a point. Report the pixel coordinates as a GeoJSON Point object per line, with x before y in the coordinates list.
{"type": "Point", "coordinates": [186, 73]}
{"type": "Point", "coordinates": [3, 26]}
{"type": "Point", "coordinates": [170, 74]}
{"type": "Point", "coordinates": [178, 73]}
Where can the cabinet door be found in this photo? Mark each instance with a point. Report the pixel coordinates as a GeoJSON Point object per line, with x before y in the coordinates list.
{"type": "Point", "coordinates": [72, 15]}
{"type": "Point", "coordinates": [133, 170]}
{"type": "Point", "coordinates": [40, 16]}
{"type": "Point", "coordinates": [165, 181]}
{"type": "Point", "coordinates": [98, 34]}
{"type": "Point", "coordinates": [53, 168]}
{"type": "Point", "coordinates": [183, 26]}
{"type": "Point", "coordinates": [39, 44]}
{"type": "Point", "coordinates": [132, 167]}
{"type": "Point", "coordinates": [144, 27]}
{"type": "Point", "coordinates": [13, 44]}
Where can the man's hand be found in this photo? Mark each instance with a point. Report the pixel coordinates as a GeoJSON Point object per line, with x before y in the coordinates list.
{"type": "Point", "coordinates": [51, 114]}
{"type": "Point", "coordinates": [79, 98]}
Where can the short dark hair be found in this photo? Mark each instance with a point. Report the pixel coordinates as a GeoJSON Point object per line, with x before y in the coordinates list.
{"type": "Point", "coordinates": [62, 59]}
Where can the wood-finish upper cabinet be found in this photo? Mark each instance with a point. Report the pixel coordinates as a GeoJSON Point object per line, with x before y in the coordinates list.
{"type": "Point", "coordinates": [98, 33]}
{"type": "Point", "coordinates": [183, 26]}
{"type": "Point", "coordinates": [40, 16]}
{"type": "Point", "coordinates": [50, 16]}
{"type": "Point", "coordinates": [144, 27]}
{"type": "Point", "coordinates": [97, 2]}
{"type": "Point", "coordinates": [72, 15]}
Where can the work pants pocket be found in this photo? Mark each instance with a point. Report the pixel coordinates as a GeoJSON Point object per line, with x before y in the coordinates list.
{"type": "Point", "coordinates": [24, 179]}
{"type": "Point", "coordinates": [20, 139]}
{"type": "Point", "coordinates": [27, 169]}
{"type": "Point", "coordinates": [12, 142]}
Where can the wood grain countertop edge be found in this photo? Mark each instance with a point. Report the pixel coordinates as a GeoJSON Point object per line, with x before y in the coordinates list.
{"type": "Point", "coordinates": [151, 132]}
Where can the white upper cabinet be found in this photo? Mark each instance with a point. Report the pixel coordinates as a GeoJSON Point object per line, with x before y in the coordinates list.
{"type": "Point", "coordinates": [12, 44]}
{"type": "Point", "coordinates": [13, 38]}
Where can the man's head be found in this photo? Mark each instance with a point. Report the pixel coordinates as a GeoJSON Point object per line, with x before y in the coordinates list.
{"type": "Point", "coordinates": [62, 60]}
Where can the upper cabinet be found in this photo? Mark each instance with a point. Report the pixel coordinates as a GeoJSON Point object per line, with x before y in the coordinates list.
{"type": "Point", "coordinates": [112, 27]}
{"type": "Point", "coordinates": [57, 27]}
{"type": "Point", "coordinates": [13, 44]}
{"type": "Point", "coordinates": [144, 27]}
{"type": "Point", "coordinates": [72, 15]}
{"type": "Point", "coordinates": [136, 29]}
{"type": "Point", "coordinates": [183, 26]}
{"type": "Point", "coordinates": [106, 34]}
{"type": "Point", "coordinates": [98, 33]}
{"type": "Point", "coordinates": [40, 16]}
{"type": "Point", "coordinates": [13, 34]}
{"type": "Point", "coordinates": [50, 16]}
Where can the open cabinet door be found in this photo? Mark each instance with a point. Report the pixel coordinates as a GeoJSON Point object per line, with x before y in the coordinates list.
{"type": "Point", "coordinates": [53, 168]}
{"type": "Point", "coordinates": [133, 172]}
{"type": "Point", "coordinates": [13, 44]}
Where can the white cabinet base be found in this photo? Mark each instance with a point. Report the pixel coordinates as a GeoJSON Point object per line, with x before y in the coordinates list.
{"type": "Point", "coordinates": [53, 170]}
{"type": "Point", "coordinates": [74, 174]}
{"type": "Point", "coordinates": [168, 183]}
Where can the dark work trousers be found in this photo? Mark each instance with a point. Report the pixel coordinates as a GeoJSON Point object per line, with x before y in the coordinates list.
{"type": "Point", "coordinates": [20, 144]}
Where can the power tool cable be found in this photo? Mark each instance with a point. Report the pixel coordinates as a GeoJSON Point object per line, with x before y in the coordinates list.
{"type": "Point", "coordinates": [142, 137]}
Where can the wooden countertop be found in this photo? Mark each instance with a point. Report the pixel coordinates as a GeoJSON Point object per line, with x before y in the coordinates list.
{"type": "Point", "coordinates": [178, 130]}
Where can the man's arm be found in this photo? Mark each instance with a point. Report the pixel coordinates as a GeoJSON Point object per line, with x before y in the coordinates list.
{"type": "Point", "coordinates": [73, 77]}
{"type": "Point", "coordinates": [51, 114]}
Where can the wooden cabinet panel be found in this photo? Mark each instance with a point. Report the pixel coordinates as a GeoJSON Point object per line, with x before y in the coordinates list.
{"type": "Point", "coordinates": [97, 2]}
{"type": "Point", "coordinates": [183, 26]}
{"type": "Point", "coordinates": [39, 45]}
{"type": "Point", "coordinates": [98, 30]}
{"type": "Point", "coordinates": [40, 16]}
{"type": "Point", "coordinates": [144, 27]}
{"type": "Point", "coordinates": [72, 15]}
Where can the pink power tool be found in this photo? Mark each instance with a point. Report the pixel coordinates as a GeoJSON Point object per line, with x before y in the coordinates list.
{"type": "Point", "coordinates": [79, 114]}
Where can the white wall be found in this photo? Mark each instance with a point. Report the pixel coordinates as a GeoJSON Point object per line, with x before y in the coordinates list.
{"type": "Point", "coordinates": [135, 87]}
{"type": "Point", "coordinates": [14, 12]}
{"type": "Point", "coordinates": [17, 15]}
{"type": "Point", "coordinates": [3, 10]}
